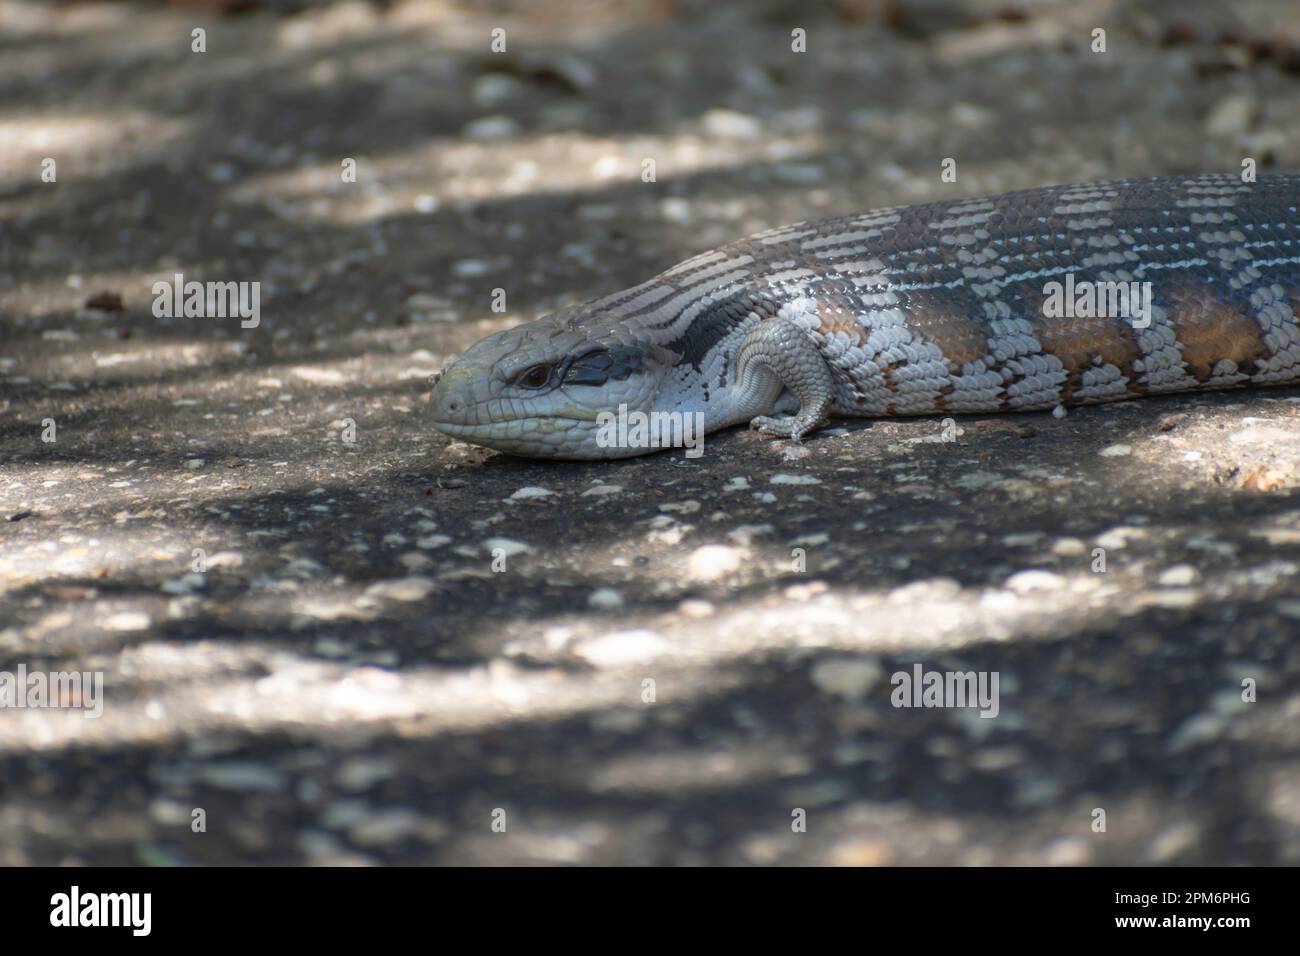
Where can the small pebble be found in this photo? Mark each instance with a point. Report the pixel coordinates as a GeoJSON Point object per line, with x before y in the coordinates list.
{"type": "Point", "coordinates": [529, 493]}
{"type": "Point", "coordinates": [622, 648]}
{"type": "Point", "coordinates": [1025, 582]}
{"type": "Point", "coordinates": [714, 561]}
{"type": "Point", "coordinates": [605, 599]}
{"type": "Point", "coordinates": [243, 777]}
{"type": "Point", "coordinates": [491, 128]}
{"type": "Point", "coordinates": [1178, 576]}
{"type": "Point", "coordinates": [507, 546]}
{"type": "Point", "coordinates": [794, 480]}
{"type": "Point", "coordinates": [414, 588]}
{"type": "Point", "coordinates": [731, 124]}
{"type": "Point", "coordinates": [848, 677]}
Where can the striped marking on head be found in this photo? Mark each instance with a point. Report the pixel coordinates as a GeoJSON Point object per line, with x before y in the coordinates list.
{"type": "Point", "coordinates": [713, 324]}
{"type": "Point", "coordinates": [677, 313]}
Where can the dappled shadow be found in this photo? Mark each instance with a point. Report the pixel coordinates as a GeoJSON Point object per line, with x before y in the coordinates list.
{"type": "Point", "coordinates": [341, 629]}
{"type": "Point", "coordinates": [361, 529]}
{"type": "Point", "coordinates": [865, 771]}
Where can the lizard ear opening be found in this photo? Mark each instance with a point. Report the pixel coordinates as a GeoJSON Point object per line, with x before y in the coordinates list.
{"type": "Point", "coordinates": [591, 368]}
{"type": "Point", "coordinates": [600, 365]}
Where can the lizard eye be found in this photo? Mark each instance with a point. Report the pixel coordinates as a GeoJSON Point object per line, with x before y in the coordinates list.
{"type": "Point", "coordinates": [534, 377]}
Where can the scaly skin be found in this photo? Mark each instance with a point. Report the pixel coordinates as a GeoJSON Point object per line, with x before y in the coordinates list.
{"type": "Point", "coordinates": [940, 308]}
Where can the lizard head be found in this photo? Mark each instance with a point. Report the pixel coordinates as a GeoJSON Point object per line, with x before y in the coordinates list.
{"type": "Point", "coordinates": [538, 389]}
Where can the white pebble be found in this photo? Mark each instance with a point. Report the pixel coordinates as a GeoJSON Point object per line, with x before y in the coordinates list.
{"type": "Point", "coordinates": [1069, 548]}
{"type": "Point", "coordinates": [185, 584]}
{"type": "Point", "coordinates": [731, 124]}
{"type": "Point", "coordinates": [127, 621]}
{"type": "Point", "coordinates": [1178, 576]}
{"type": "Point", "coordinates": [696, 608]}
{"type": "Point", "coordinates": [507, 546]}
{"type": "Point", "coordinates": [847, 677]}
{"type": "Point", "coordinates": [401, 589]}
{"type": "Point", "coordinates": [243, 777]}
{"type": "Point", "coordinates": [714, 561]}
{"type": "Point", "coordinates": [491, 128]}
{"type": "Point", "coordinates": [605, 599]}
{"type": "Point", "coordinates": [794, 480]}
{"type": "Point", "coordinates": [746, 533]}
{"type": "Point", "coordinates": [1033, 580]}
{"type": "Point", "coordinates": [530, 492]}
{"type": "Point", "coordinates": [622, 648]}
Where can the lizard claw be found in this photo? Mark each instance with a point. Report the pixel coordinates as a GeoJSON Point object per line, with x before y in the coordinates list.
{"type": "Point", "coordinates": [788, 426]}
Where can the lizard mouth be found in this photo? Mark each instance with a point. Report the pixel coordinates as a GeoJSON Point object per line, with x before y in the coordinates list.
{"type": "Point", "coordinates": [470, 421]}
{"type": "Point", "coordinates": [511, 426]}
{"type": "Point", "coordinates": [549, 429]}
{"type": "Point", "coordinates": [556, 437]}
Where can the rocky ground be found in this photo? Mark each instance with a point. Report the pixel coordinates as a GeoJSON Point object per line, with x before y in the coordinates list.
{"type": "Point", "coordinates": [669, 658]}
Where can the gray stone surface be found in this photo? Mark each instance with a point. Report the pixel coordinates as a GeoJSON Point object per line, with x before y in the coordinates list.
{"type": "Point", "coordinates": [349, 680]}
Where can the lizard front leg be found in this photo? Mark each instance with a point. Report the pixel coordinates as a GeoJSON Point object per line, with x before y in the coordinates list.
{"type": "Point", "coordinates": [780, 355]}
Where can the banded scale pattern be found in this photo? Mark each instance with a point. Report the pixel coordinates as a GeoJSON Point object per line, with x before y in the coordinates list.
{"type": "Point", "coordinates": [941, 307]}
{"type": "Point", "coordinates": [961, 306]}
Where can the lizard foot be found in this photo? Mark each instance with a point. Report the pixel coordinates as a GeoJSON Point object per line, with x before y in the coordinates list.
{"type": "Point", "coordinates": [794, 427]}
